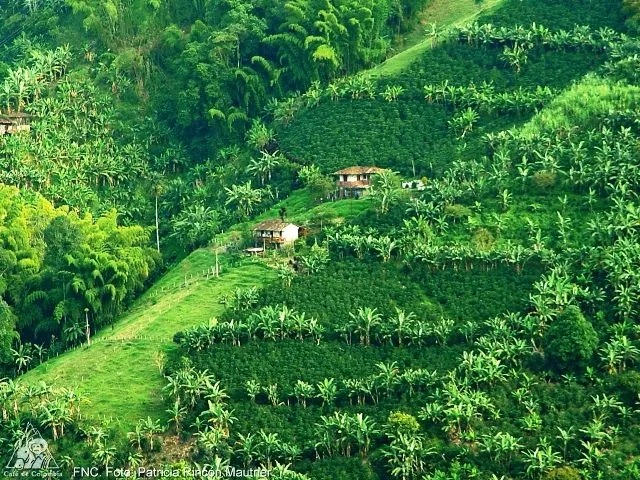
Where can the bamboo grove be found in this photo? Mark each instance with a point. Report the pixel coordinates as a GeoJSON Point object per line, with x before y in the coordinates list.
{"type": "Point", "coordinates": [64, 276]}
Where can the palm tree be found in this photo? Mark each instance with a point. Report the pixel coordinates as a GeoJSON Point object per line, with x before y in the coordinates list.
{"type": "Point", "coordinates": [443, 329]}
{"type": "Point", "coordinates": [432, 33]}
{"type": "Point", "coordinates": [214, 392]}
{"type": "Point", "coordinates": [247, 448]}
{"type": "Point", "coordinates": [158, 187]}
{"type": "Point", "coordinates": [501, 447]}
{"type": "Point", "coordinates": [210, 440]}
{"type": "Point", "coordinates": [327, 391]}
{"type": "Point", "coordinates": [365, 319]}
{"type": "Point", "coordinates": [39, 350]}
{"type": "Point", "coordinates": [285, 315]}
{"type": "Point", "coordinates": [385, 189]}
{"type": "Point", "coordinates": [267, 446]}
{"type": "Point", "coordinates": [566, 436]}
{"type": "Point", "coordinates": [315, 329]}
{"type": "Point", "coordinates": [259, 136]}
{"type": "Point", "coordinates": [245, 197]}
{"type": "Point", "coordinates": [385, 247]}
{"type": "Point", "coordinates": [285, 274]}
{"type": "Point", "coordinates": [402, 323]}
{"type": "Point", "coordinates": [219, 417]}
{"type": "Point", "coordinates": [505, 198]}
{"type": "Point", "coordinates": [284, 472]}
{"type": "Point", "coordinates": [515, 56]}
{"type": "Point", "coordinates": [364, 428]}
{"type": "Point", "coordinates": [55, 415]}
{"type": "Point", "coordinates": [21, 358]}
{"type": "Point", "coordinates": [303, 391]}
{"type": "Point", "coordinates": [150, 428]}
{"type": "Point", "coordinates": [464, 121]}
{"type": "Point", "coordinates": [617, 353]}
{"type": "Point", "coordinates": [406, 456]}
{"type": "Point", "coordinates": [177, 414]}
{"type": "Point", "coordinates": [389, 375]}
{"type": "Point", "coordinates": [272, 394]}
{"type": "Point", "coordinates": [392, 92]}
{"type": "Point", "coordinates": [540, 460]}
{"type": "Point", "coordinates": [253, 389]}
{"type": "Point", "coordinates": [298, 325]}
{"type": "Point", "coordinates": [267, 164]}
{"type": "Point", "coordinates": [104, 454]}
{"type": "Point", "coordinates": [136, 437]}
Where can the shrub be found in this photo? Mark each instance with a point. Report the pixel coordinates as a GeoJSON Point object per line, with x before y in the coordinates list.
{"type": "Point", "coordinates": [457, 211]}
{"type": "Point", "coordinates": [544, 179]}
{"type": "Point", "coordinates": [483, 239]}
{"type": "Point", "coordinates": [400, 422]}
{"type": "Point", "coordinates": [563, 473]}
{"type": "Point", "coordinates": [627, 385]}
{"type": "Point", "coordinates": [570, 340]}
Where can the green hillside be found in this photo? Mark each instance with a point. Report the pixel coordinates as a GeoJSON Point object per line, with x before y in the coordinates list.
{"type": "Point", "coordinates": [483, 323]}
{"type": "Point", "coordinates": [119, 375]}
{"type": "Point", "coordinates": [439, 16]}
{"type": "Point", "coordinates": [142, 337]}
{"type": "Point", "coordinates": [411, 134]}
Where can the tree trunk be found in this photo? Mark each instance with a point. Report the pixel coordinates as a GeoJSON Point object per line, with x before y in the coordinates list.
{"type": "Point", "coordinates": [157, 227]}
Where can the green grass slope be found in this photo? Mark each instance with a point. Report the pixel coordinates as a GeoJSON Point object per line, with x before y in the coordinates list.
{"type": "Point", "coordinates": [441, 13]}
{"type": "Point", "coordinates": [119, 372]}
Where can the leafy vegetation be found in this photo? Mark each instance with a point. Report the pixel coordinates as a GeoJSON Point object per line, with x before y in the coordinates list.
{"type": "Point", "coordinates": [413, 136]}
{"type": "Point", "coordinates": [183, 298]}
{"type": "Point", "coordinates": [64, 276]}
{"type": "Point", "coordinates": [475, 315]}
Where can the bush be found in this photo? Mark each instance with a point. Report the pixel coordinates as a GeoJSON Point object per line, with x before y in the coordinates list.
{"type": "Point", "coordinates": [483, 239]}
{"type": "Point", "coordinates": [340, 468]}
{"type": "Point", "coordinates": [400, 422]}
{"type": "Point", "coordinates": [571, 340]}
{"type": "Point", "coordinates": [627, 386]}
{"type": "Point", "coordinates": [342, 287]}
{"type": "Point", "coordinates": [563, 473]}
{"type": "Point", "coordinates": [457, 211]}
{"type": "Point", "coordinates": [477, 294]}
{"type": "Point", "coordinates": [544, 179]}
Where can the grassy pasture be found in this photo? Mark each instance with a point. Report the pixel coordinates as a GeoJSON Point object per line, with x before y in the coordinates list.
{"type": "Point", "coordinates": [119, 372]}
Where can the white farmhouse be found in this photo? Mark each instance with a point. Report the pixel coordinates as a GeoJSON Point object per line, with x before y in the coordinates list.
{"type": "Point", "coordinates": [275, 232]}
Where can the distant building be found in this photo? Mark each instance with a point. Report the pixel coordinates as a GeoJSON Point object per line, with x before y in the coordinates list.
{"type": "Point", "coordinates": [16, 122]}
{"type": "Point", "coordinates": [353, 182]}
{"type": "Point", "coordinates": [275, 232]}
{"type": "Point", "coordinates": [414, 185]}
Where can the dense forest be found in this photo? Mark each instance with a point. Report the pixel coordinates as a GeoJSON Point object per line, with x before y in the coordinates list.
{"type": "Point", "coordinates": [474, 316]}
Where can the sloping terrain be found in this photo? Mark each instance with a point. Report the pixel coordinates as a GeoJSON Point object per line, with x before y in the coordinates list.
{"type": "Point", "coordinates": [120, 372]}
{"type": "Point", "coordinates": [129, 353]}
{"type": "Point", "coordinates": [413, 135]}
{"type": "Point", "coordinates": [437, 18]}
{"type": "Point", "coordinates": [485, 327]}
